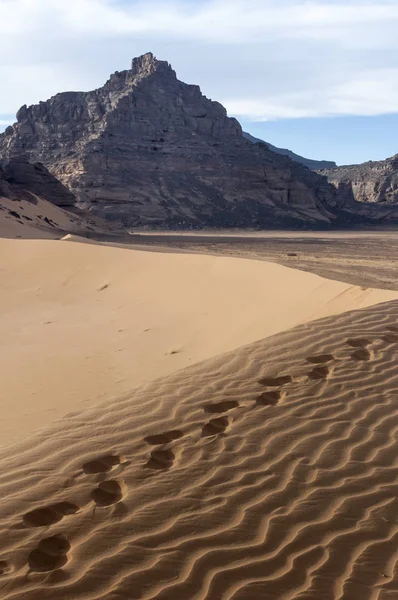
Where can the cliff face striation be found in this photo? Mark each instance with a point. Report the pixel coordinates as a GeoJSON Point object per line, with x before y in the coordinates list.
{"type": "Point", "coordinates": [147, 149]}
{"type": "Point", "coordinates": [370, 182]}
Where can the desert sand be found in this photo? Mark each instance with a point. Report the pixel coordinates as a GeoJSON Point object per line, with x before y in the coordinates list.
{"type": "Point", "coordinates": [268, 472]}
{"type": "Point", "coordinates": [193, 427]}
{"type": "Point", "coordinates": [81, 322]}
{"type": "Point", "coordinates": [38, 219]}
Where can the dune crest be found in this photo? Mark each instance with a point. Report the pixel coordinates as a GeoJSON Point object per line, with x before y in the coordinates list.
{"type": "Point", "coordinates": [167, 493]}
{"type": "Point", "coordinates": [80, 322]}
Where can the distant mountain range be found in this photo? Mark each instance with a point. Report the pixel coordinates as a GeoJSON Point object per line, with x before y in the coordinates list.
{"type": "Point", "coordinates": [314, 165]}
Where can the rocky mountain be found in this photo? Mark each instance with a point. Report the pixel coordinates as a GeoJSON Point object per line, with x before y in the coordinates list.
{"type": "Point", "coordinates": [375, 182]}
{"type": "Point", "coordinates": [148, 149]}
{"type": "Point", "coordinates": [314, 165]}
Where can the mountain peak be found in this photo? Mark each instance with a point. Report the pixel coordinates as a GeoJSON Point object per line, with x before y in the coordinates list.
{"type": "Point", "coordinates": [147, 64]}
{"type": "Point", "coordinates": [148, 149]}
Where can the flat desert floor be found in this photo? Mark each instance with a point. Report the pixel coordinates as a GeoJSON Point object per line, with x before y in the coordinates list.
{"type": "Point", "coordinates": [184, 426]}
{"type": "Point", "coordinates": [368, 258]}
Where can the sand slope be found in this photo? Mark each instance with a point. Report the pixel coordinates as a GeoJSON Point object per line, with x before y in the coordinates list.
{"type": "Point", "coordinates": [80, 322]}
{"type": "Point", "coordinates": [269, 472]}
{"type": "Point", "coordinates": [39, 219]}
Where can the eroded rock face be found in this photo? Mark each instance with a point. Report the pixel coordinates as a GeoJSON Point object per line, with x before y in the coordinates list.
{"type": "Point", "coordinates": [21, 179]}
{"type": "Point", "coordinates": [147, 149]}
{"type": "Point", "coordinates": [375, 182]}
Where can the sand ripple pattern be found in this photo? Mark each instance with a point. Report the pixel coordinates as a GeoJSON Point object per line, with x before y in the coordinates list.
{"type": "Point", "coordinates": [270, 472]}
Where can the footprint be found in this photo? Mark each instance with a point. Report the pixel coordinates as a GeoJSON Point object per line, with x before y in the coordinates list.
{"type": "Point", "coordinates": [358, 342]}
{"type": "Point", "coordinates": [163, 438]}
{"type": "Point", "coordinates": [41, 562]}
{"type": "Point", "coordinates": [275, 381]}
{"type": "Point", "coordinates": [320, 358]}
{"type": "Point", "coordinates": [50, 555]}
{"type": "Point", "coordinates": [215, 426]}
{"type": "Point", "coordinates": [318, 373]}
{"type": "Point", "coordinates": [57, 545]}
{"type": "Point", "coordinates": [361, 354]}
{"type": "Point", "coordinates": [101, 465]}
{"type": "Point", "coordinates": [160, 460]}
{"type": "Point", "coordinates": [48, 515]}
{"type": "Point", "coordinates": [390, 338]}
{"type": "Point", "coordinates": [221, 407]}
{"type": "Point", "coordinates": [268, 398]}
{"type": "Point", "coordinates": [107, 493]}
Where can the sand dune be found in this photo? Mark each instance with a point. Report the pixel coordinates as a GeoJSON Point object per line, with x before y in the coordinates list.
{"type": "Point", "coordinates": [81, 322]}
{"type": "Point", "coordinates": [268, 472]}
{"type": "Point", "coordinates": [39, 219]}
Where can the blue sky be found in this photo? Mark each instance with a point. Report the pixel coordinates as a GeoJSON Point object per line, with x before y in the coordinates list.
{"type": "Point", "coordinates": [317, 76]}
{"type": "Point", "coordinates": [346, 140]}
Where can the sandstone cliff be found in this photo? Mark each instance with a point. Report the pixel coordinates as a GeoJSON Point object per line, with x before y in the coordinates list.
{"type": "Point", "coordinates": [148, 149]}
{"type": "Point", "coordinates": [375, 182]}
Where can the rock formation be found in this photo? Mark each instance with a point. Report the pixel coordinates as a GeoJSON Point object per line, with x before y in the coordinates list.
{"type": "Point", "coordinates": [21, 179]}
{"type": "Point", "coordinates": [34, 204]}
{"type": "Point", "coordinates": [370, 182]}
{"type": "Point", "coordinates": [148, 149]}
{"type": "Point", "coordinates": [314, 165]}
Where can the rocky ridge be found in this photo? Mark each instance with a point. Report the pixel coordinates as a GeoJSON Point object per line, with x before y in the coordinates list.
{"type": "Point", "coordinates": [314, 165]}
{"type": "Point", "coordinates": [371, 182]}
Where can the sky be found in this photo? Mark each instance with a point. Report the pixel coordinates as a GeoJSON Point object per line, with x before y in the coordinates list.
{"type": "Point", "coordinates": [319, 77]}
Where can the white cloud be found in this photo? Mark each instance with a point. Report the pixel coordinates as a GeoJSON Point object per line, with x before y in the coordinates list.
{"type": "Point", "coordinates": [217, 21]}
{"type": "Point", "coordinates": [366, 94]}
{"type": "Point", "coordinates": [266, 59]}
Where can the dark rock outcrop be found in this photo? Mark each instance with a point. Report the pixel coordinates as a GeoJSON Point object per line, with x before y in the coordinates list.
{"type": "Point", "coordinates": [147, 149]}
{"type": "Point", "coordinates": [375, 182]}
{"type": "Point", "coordinates": [21, 179]}
{"type": "Point", "coordinates": [314, 165]}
